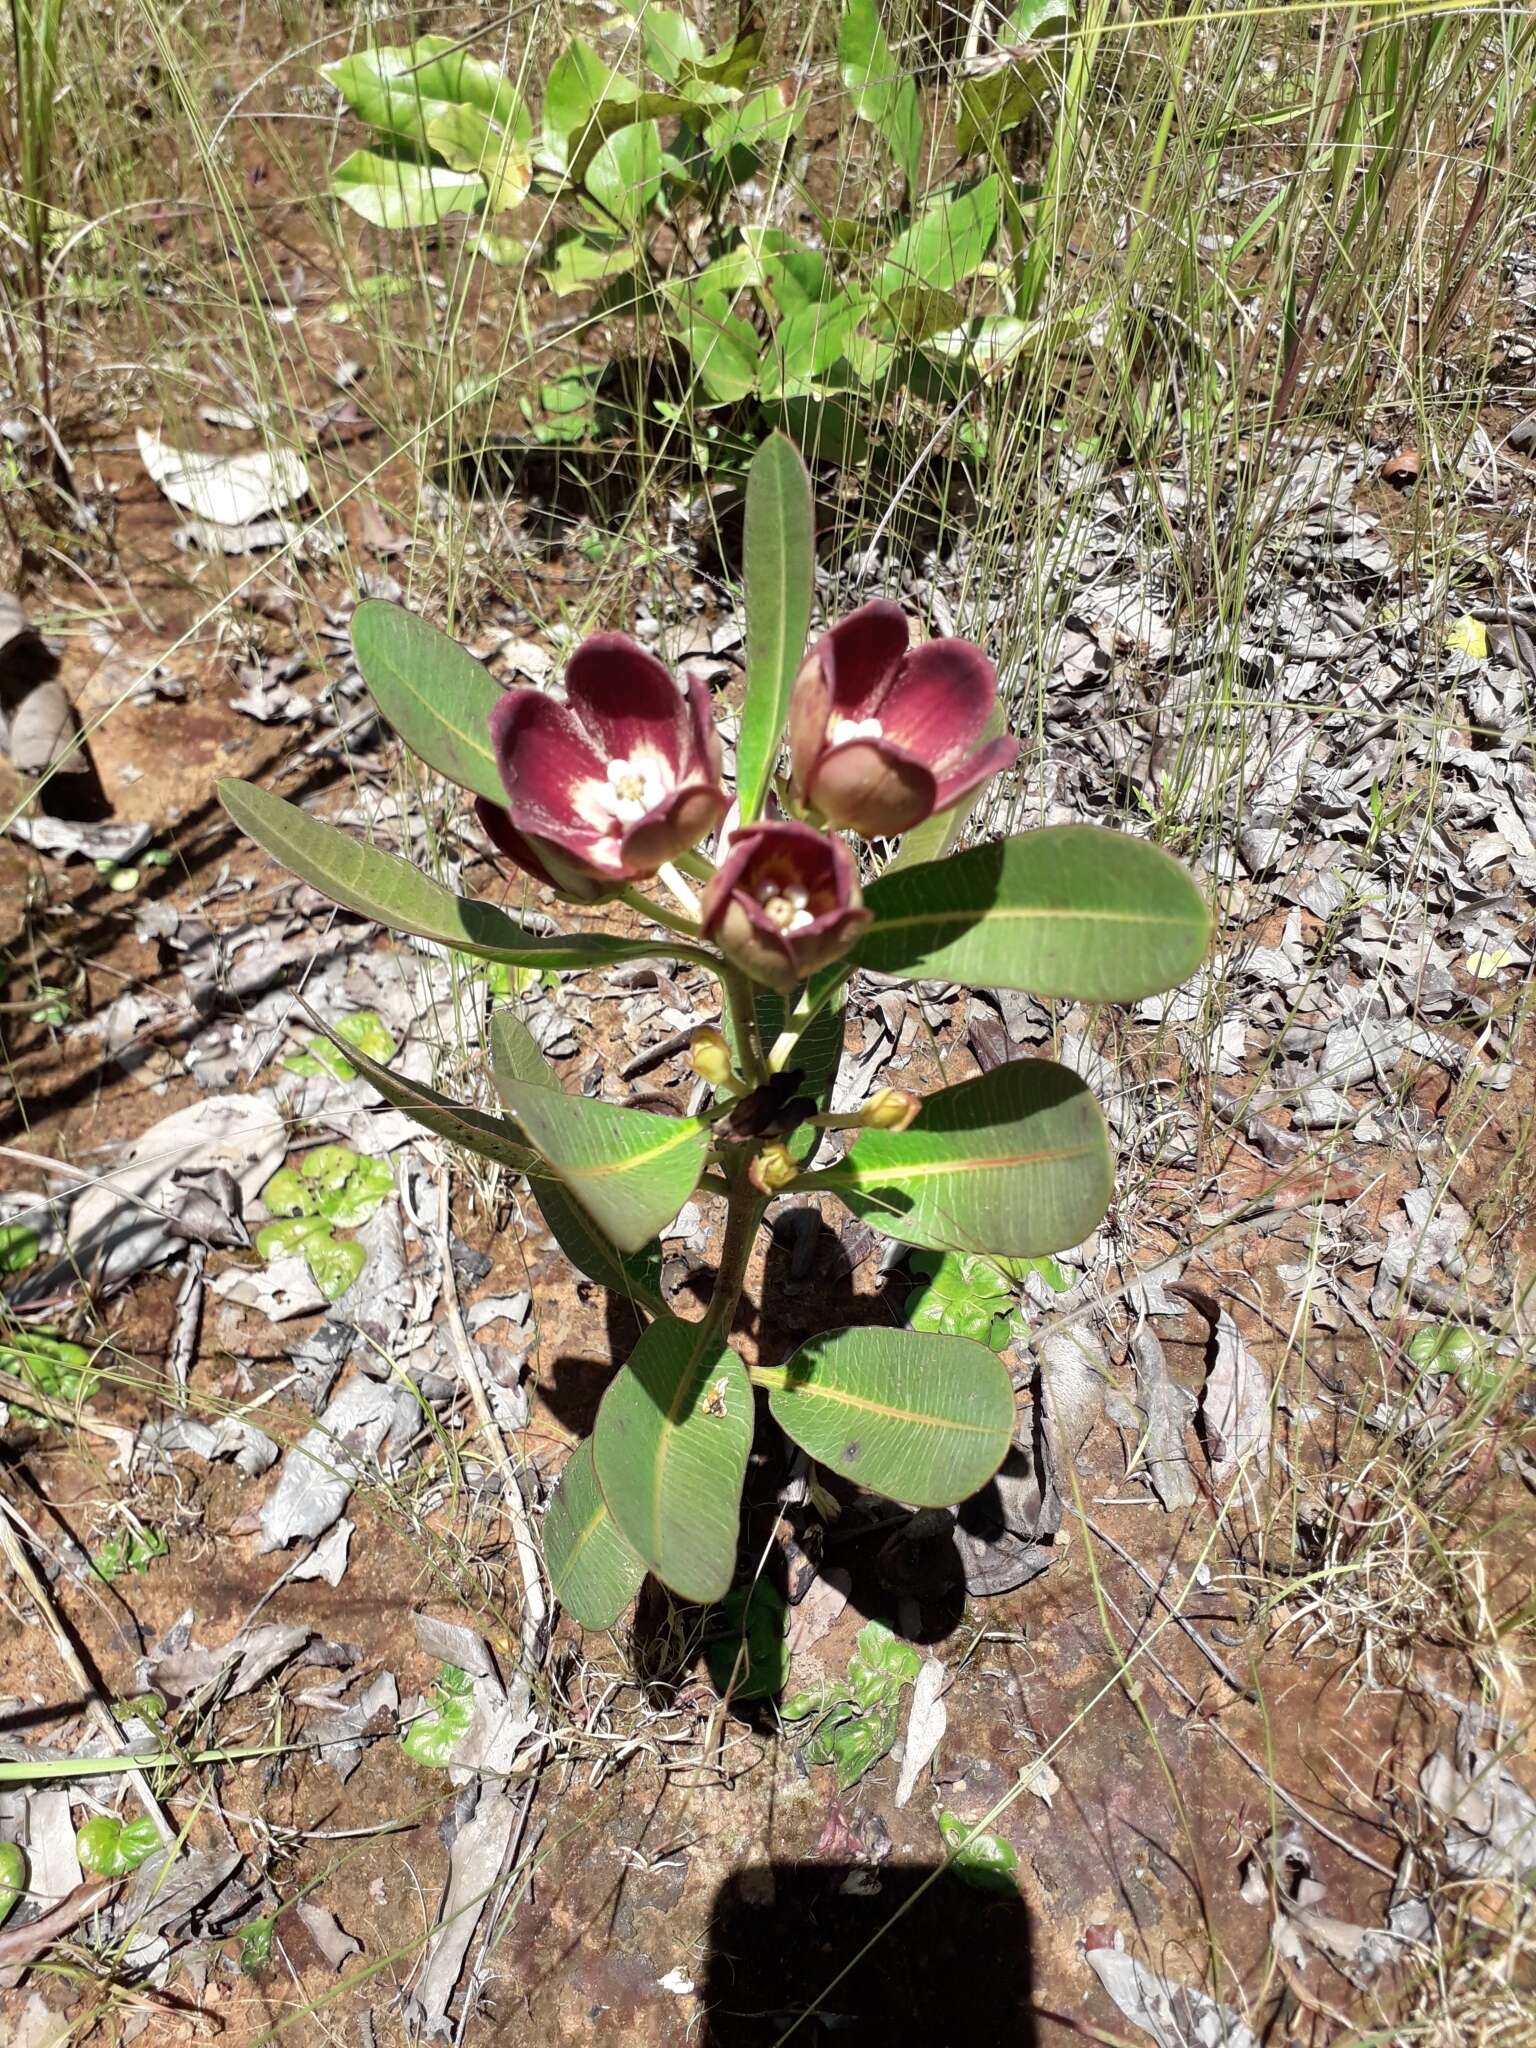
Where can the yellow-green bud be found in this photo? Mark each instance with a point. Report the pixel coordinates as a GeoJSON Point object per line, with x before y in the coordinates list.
{"type": "Point", "coordinates": [772, 1169]}
{"type": "Point", "coordinates": [711, 1057]}
{"type": "Point", "coordinates": [891, 1109]}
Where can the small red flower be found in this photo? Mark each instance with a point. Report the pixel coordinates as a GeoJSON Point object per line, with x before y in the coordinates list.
{"type": "Point", "coordinates": [784, 902]}
{"type": "Point", "coordinates": [606, 787]}
{"type": "Point", "coordinates": [882, 736]}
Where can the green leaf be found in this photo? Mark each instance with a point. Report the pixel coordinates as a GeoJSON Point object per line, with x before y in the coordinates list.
{"type": "Point", "coordinates": [437, 697]}
{"type": "Point", "coordinates": [670, 1447]}
{"type": "Point", "coordinates": [593, 1570]}
{"type": "Point", "coordinates": [111, 1848]}
{"type": "Point", "coordinates": [433, 1738]}
{"type": "Point", "coordinates": [629, 1169]}
{"type": "Point", "coordinates": [854, 1743]}
{"type": "Point", "coordinates": [292, 1234]}
{"type": "Point", "coordinates": [624, 175]}
{"type": "Point", "coordinates": [13, 1878]}
{"type": "Point", "coordinates": [393, 192]}
{"type": "Point", "coordinates": [19, 1247]}
{"type": "Point", "coordinates": [1069, 910]}
{"type": "Point", "coordinates": [986, 1861]}
{"type": "Point", "coordinates": [580, 261]}
{"type": "Point", "coordinates": [779, 559]}
{"type": "Point", "coordinates": [637, 1278]}
{"type": "Point", "coordinates": [492, 1137]}
{"type": "Point", "coordinates": [762, 123]}
{"type": "Point", "coordinates": [394, 893]}
{"type": "Point", "coordinates": [883, 93]}
{"type": "Point", "coordinates": [724, 347]}
{"type": "Point", "coordinates": [751, 1661]}
{"type": "Point", "coordinates": [399, 90]}
{"type": "Point", "coordinates": [1015, 1162]}
{"type": "Point", "coordinates": [585, 102]}
{"type": "Point", "coordinates": [355, 1192]}
{"type": "Point", "coordinates": [922, 1419]}
{"type": "Point", "coordinates": [285, 1194]}
{"type": "Point", "coordinates": [367, 1032]}
{"type": "Point", "coordinates": [881, 1664]}
{"type": "Point", "coordinates": [467, 141]}
{"type": "Point", "coordinates": [946, 244]}
{"type": "Point", "coordinates": [668, 40]}
{"type": "Point", "coordinates": [808, 342]}
{"type": "Point", "coordinates": [334, 1263]}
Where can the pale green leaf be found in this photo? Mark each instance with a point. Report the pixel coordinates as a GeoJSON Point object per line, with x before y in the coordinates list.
{"type": "Point", "coordinates": [436, 696]}
{"type": "Point", "coordinates": [393, 192]}
{"type": "Point", "coordinates": [946, 244]}
{"type": "Point", "coordinates": [779, 559]}
{"type": "Point", "coordinates": [1068, 910]}
{"type": "Point", "coordinates": [467, 141]}
{"type": "Point", "coordinates": [670, 1447]}
{"type": "Point", "coordinates": [629, 1169]}
{"type": "Point", "coordinates": [594, 1571]}
{"type": "Point", "coordinates": [1015, 1162]}
{"type": "Point", "coordinates": [581, 261]}
{"type": "Point", "coordinates": [624, 175]}
{"type": "Point", "coordinates": [883, 93]}
{"type": "Point", "coordinates": [764, 122]}
{"type": "Point", "coordinates": [922, 1419]}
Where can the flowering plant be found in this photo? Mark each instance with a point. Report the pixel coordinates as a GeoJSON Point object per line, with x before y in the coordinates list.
{"type": "Point", "coordinates": [615, 791]}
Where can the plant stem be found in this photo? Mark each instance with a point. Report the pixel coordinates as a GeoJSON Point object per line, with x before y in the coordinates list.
{"type": "Point", "coordinates": [744, 1212]}
{"type": "Point", "coordinates": [658, 913]}
{"type": "Point", "coordinates": [813, 1000]}
{"type": "Point", "coordinates": [738, 994]}
{"type": "Point", "coordinates": [668, 874]}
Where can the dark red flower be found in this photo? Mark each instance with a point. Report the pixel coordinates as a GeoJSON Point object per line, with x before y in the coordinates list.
{"type": "Point", "coordinates": [882, 736]}
{"type": "Point", "coordinates": [606, 787]}
{"type": "Point", "coordinates": [784, 902]}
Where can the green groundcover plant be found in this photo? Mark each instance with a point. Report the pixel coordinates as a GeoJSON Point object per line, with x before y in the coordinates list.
{"type": "Point", "coordinates": [615, 789]}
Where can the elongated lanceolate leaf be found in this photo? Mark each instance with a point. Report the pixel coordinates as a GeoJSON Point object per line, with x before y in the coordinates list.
{"type": "Point", "coordinates": [670, 1447]}
{"type": "Point", "coordinates": [1069, 910]}
{"type": "Point", "coordinates": [436, 696]}
{"type": "Point", "coordinates": [491, 1136]}
{"type": "Point", "coordinates": [780, 572]}
{"type": "Point", "coordinates": [515, 1057]}
{"type": "Point", "coordinates": [380, 885]}
{"type": "Point", "coordinates": [1015, 1163]}
{"type": "Point", "coordinates": [946, 244]}
{"type": "Point", "coordinates": [922, 1419]}
{"type": "Point", "coordinates": [594, 1571]}
{"type": "Point", "coordinates": [630, 1170]}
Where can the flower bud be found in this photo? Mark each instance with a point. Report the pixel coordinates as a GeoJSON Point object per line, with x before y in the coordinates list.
{"type": "Point", "coordinates": [711, 1058]}
{"type": "Point", "coordinates": [890, 1109]}
{"type": "Point", "coordinates": [772, 1169]}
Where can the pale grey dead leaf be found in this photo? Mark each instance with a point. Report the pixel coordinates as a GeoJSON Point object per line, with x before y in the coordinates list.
{"type": "Point", "coordinates": [926, 1723]}
{"type": "Point", "coordinates": [811, 1618]}
{"type": "Point", "coordinates": [1175, 2015]}
{"type": "Point", "coordinates": [281, 1290]}
{"type": "Point", "coordinates": [1235, 1402]}
{"type": "Point", "coordinates": [328, 1559]}
{"type": "Point", "coordinates": [251, 1449]}
{"type": "Point", "coordinates": [342, 1733]}
{"type": "Point", "coordinates": [249, 1658]}
{"type": "Point", "coordinates": [319, 1473]}
{"type": "Point", "coordinates": [474, 1864]}
{"type": "Point", "coordinates": [53, 1867]}
{"type": "Point", "coordinates": [164, 1891]}
{"type": "Point", "coordinates": [1166, 1412]}
{"type": "Point", "coordinates": [324, 1932]}
{"type": "Point", "coordinates": [228, 490]}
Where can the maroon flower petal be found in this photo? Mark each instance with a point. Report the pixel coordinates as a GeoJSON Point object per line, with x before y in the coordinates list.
{"type": "Point", "coordinates": [702, 761]}
{"type": "Point", "coordinates": [681, 821]}
{"type": "Point", "coordinates": [872, 787]}
{"type": "Point", "coordinates": [859, 657]}
{"type": "Point", "coordinates": [788, 859]}
{"type": "Point", "coordinates": [939, 702]}
{"type": "Point", "coordinates": [810, 706]}
{"type": "Point", "coordinates": [623, 698]}
{"type": "Point", "coordinates": [988, 761]}
{"type": "Point", "coordinates": [557, 867]}
{"type": "Point", "coordinates": [544, 758]}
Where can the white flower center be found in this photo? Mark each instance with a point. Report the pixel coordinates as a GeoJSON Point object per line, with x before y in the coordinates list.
{"type": "Point", "coordinates": [634, 787]}
{"type": "Point", "coordinates": [784, 905]}
{"type": "Point", "coordinates": [842, 730]}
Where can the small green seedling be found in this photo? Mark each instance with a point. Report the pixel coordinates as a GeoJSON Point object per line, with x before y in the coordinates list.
{"type": "Point", "coordinates": [256, 1943]}
{"type": "Point", "coordinates": [988, 1862]}
{"type": "Point", "coordinates": [19, 1247]}
{"type": "Point", "coordinates": [129, 1550]}
{"type": "Point", "coordinates": [433, 1738]}
{"type": "Point", "coordinates": [1448, 1347]}
{"type": "Point", "coordinates": [334, 1187]}
{"type": "Point", "coordinates": [108, 1847]}
{"type": "Point", "coordinates": [13, 1878]}
{"type": "Point", "coordinates": [857, 1723]}
{"type": "Point", "coordinates": [364, 1029]}
{"type": "Point", "coordinates": [50, 1363]}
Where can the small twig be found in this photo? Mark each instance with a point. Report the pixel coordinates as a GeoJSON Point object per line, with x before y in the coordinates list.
{"type": "Point", "coordinates": [535, 1609]}
{"type": "Point", "coordinates": [97, 1710]}
{"type": "Point", "coordinates": [1243, 1691]}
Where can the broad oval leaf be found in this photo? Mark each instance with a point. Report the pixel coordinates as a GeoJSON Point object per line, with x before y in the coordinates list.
{"type": "Point", "coordinates": [1015, 1163]}
{"type": "Point", "coordinates": [393, 192]}
{"type": "Point", "coordinates": [624, 175]}
{"type": "Point", "coordinates": [594, 1571]}
{"type": "Point", "coordinates": [670, 1448]}
{"type": "Point", "coordinates": [947, 243]}
{"type": "Point", "coordinates": [779, 558]}
{"type": "Point", "coordinates": [436, 696]}
{"type": "Point", "coordinates": [762, 122]}
{"type": "Point", "coordinates": [629, 1169]}
{"type": "Point", "coordinates": [724, 348]}
{"type": "Point", "coordinates": [388, 889]}
{"type": "Point", "coordinates": [399, 89]}
{"type": "Point", "coordinates": [515, 1057]}
{"type": "Point", "coordinates": [467, 140]}
{"type": "Point", "coordinates": [922, 1419]}
{"type": "Point", "coordinates": [1068, 910]}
